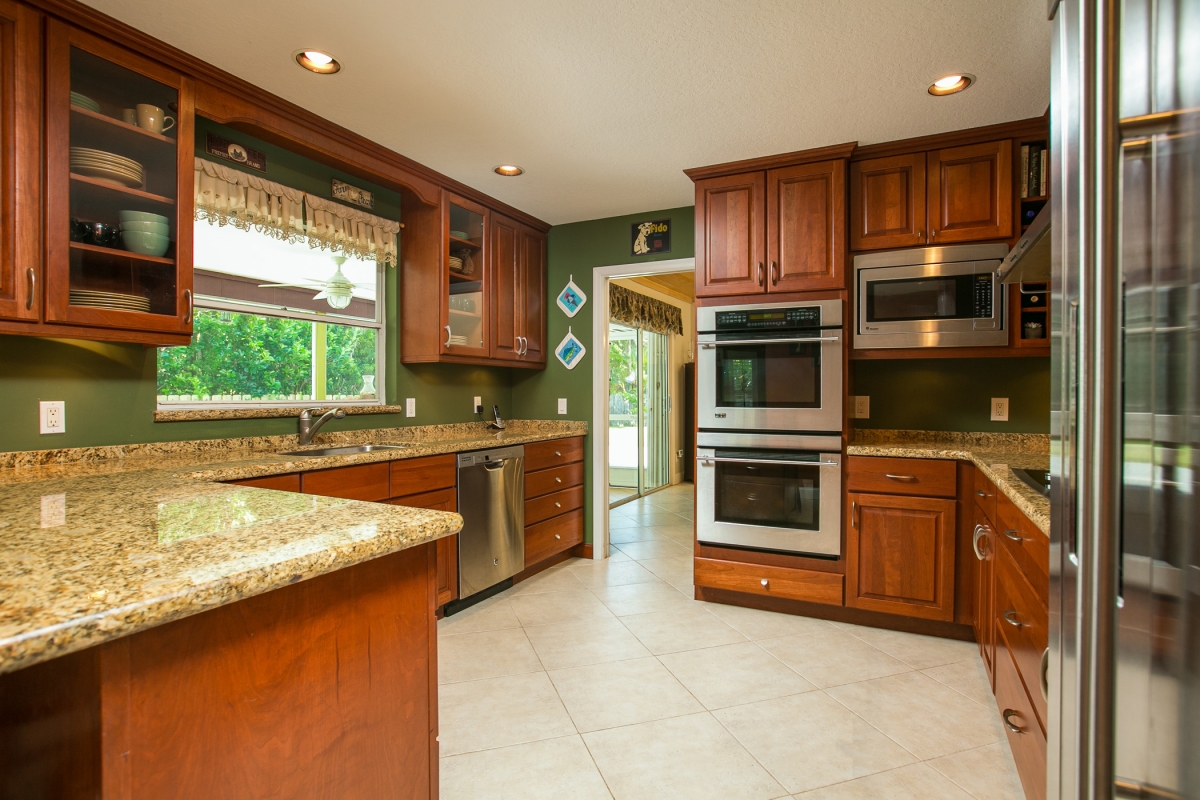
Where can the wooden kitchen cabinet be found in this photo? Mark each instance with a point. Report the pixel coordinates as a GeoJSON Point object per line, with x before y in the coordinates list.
{"type": "Point", "coordinates": [806, 208]}
{"type": "Point", "coordinates": [20, 162]}
{"type": "Point", "coordinates": [731, 235]}
{"type": "Point", "coordinates": [518, 255]}
{"type": "Point", "coordinates": [900, 555]}
{"type": "Point", "coordinates": [983, 540]}
{"type": "Point", "coordinates": [553, 498]}
{"type": "Point", "coordinates": [447, 547]}
{"type": "Point", "coordinates": [945, 196]}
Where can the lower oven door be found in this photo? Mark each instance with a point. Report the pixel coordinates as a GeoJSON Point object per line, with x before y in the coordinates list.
{"type": "Point", "coordinates": [769, 500]}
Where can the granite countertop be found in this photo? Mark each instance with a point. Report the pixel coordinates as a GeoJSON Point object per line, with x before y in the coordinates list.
{"type": "Point", "coordinates": [994, 453]}
{"type": "Point", "coordinates": [99, 543]}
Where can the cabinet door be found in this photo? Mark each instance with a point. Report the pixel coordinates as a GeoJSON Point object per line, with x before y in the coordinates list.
{"type": "Point", "coordinates": [20, 157]}
{"type": "Point", "coordinates": [806, 222]}
{"type": "Point", "coordinates": [731, 235]}
{"type": "Point", "coordinates": [507, 288]}
{"type": "Point", "coordinates": [887, 202]}
{"type": "Point", "coordinates": [533, 328]}
{"type": "Point", "coordinates": [97, 168]}
{"type": "Point", "coordinates": [466, 310]}
{"type": "Point", "coordinates": [983, 538]}
{"type": "Point", "coordinates": [970, 193]}
{"type": "Point", "coordinates": [900, 555]}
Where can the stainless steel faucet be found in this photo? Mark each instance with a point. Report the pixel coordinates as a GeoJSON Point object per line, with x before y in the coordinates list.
{"type": "Point", "coordinates": [309, 428]}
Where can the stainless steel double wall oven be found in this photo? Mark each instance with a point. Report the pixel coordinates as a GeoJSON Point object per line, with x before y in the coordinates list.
{"type": "Point", "coordinates": [769, 406]}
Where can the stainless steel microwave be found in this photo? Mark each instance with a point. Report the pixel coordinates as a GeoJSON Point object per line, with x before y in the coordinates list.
{"type": "Point", "coordinates": [930, 297]}
{"type": "Point", "coordinates": [770, 367]}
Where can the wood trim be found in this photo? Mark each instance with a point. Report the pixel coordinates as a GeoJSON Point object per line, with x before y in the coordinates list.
{"type": "Point", "coordinates": [148, 338]}
{"type": "Point", "coordinates": [792, 159]}
{"type": "Point", "coordinates": [362, 156]}
{"type": "Point", "coordinates": [831, 565]}
{"type": "Point", "coordinates": [937, 141]}
{"type": "Point", "coordinates": [779, 297]}
{"type": "Point", "coordinates": [999, 351]}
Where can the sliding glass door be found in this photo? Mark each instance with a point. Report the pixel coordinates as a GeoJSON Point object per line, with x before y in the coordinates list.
{"type": "Point", "coordinates": [638, 413]}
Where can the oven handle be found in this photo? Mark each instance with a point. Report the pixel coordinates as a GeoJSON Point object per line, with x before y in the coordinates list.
{"type": "Point", "coordinates": [712, 459]}
{"type": "Point", "coordinates": [711, 345]}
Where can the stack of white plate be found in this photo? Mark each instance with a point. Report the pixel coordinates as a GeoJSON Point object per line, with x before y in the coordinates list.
{"type": "Point", "coordinates": [459, 340]}
{"type": "Point", "coordinates": [83, 101]}
{"type": "Point", "coordinates": [459, 234]}
{"type": "Point", "coordinates": [112, 300]}
{"type": "Point", "coordinates": [107, 167]}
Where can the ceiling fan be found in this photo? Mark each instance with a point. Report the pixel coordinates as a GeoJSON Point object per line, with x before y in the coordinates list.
{"type": "Point", "coordinates": [338, 290]}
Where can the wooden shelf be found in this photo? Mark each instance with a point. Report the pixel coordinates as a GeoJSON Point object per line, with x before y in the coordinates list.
{"type": "Point", "coordinates": [1039, 199]}
{"type": "Point", "coordinates": [138, 193]}
{"type": "Point", "coordinates": [454, 240]}
{"type": "Point", "coordinates": [93, 118]}
{"type": "Point", "coordinates": [458, 276]}
{"type": "Point", "coordinates": [112, 251]}
{"type": "Point", "coordinates": [454, 312]}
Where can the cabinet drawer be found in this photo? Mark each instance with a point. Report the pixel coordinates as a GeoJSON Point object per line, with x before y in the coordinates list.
{"type": "Point", "coordinates": [418, 475]}
{"type": "Point", "coordinates": [554, 453]}
{"type": "Point", "coordinates": [551, 537]}
{"type": "Point", "coordinates": [985, 495]}
{"type": "Point", "coordinates": [794, 584]}
{"type": "Point", "coordinates": [551, 505]}
{"type": "Point", "coordinates": [1028, 742]}
{"type": "Point", "coordinates": [440, 500]}
{"type": "Point", "coordinates": [1029, 547]}
{"type": "Point", "coordinates": [1024, 621]}
{"type": "Point", "coordinates": [365, 482]}
{"type": "Point", "coordinates": [913, 476]}
{"type": "Point", "coordinates": [553, 480]}
{"type": "Point", "coordinates": [283, 483]}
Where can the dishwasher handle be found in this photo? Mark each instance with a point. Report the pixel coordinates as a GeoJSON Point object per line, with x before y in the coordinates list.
{"type": "Point", "coordinates": [492, 466]}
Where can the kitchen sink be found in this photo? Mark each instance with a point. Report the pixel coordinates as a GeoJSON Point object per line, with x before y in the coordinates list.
{"type": "Point", "coordinates": [344, 451]}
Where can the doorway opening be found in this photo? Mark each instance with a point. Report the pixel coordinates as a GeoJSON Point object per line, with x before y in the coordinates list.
{"type": "Point", "coordinates": [639, 406]}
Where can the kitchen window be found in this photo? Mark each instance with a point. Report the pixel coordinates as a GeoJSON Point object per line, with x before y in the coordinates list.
{"type": "Point", "coordinates": [277, 322]}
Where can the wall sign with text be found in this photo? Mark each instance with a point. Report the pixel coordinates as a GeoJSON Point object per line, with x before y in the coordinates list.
{"type": "Point", "coordinates": [352, 194]}
{"type": "Point", "coordinates": [650, 238]}
{"type": "Point", "coordinates": [221, 147]}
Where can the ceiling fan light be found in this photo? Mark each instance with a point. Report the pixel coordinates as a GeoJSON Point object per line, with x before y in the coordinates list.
{"type": "Point", "coordinates": [339, 300]}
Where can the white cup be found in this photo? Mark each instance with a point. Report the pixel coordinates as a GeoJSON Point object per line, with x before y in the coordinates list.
{"type": "Point", "coordinates": [153, 118]}
{"type": "Point", "coordinates": [129, 116]}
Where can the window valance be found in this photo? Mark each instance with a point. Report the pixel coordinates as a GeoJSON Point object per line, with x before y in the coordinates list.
{"type": "Point", "coordinates": [227, 196]}
{"type": "Point", "coordinates": [630, 308]}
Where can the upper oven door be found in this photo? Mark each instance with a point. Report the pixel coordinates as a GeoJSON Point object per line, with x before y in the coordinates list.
{"type": "Point", "coordinates": [770, 381]}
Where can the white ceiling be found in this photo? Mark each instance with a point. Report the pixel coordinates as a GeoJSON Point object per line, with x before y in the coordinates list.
{"type": "Point", "coordinates": [604, 102]}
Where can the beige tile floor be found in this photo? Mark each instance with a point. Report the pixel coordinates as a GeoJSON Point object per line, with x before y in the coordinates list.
{"type": "Point", "coordinates": [608, 680]}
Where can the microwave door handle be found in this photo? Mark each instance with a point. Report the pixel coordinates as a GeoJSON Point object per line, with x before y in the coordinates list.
{"type": "Point", "coordinates": [806, 339]}
{"type": "Point", "coordinates": [766, 461]}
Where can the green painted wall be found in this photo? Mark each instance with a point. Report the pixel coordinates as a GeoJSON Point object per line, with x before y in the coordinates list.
{"type": "Point", "coordinates": [110, 389]}
{"type": "Point", "coordinates": [576, 249]}
{"type": "Point", "coordinates": [954, 394]}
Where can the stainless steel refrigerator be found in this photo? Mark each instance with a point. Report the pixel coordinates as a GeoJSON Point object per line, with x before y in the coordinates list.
{"type": "Point", "coordinates": [1125, 327]}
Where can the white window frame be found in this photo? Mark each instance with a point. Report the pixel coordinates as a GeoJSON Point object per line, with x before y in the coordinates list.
{"type": "Point", "coordinates": [263, 310]}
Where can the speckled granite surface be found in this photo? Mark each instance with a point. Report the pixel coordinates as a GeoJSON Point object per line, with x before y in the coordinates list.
{"type": "Point", "coordinates": [99, 543]}
{"type": "Point", "coordinates": [994, 453]}
{"type": "Point", "coordinates": [169, 414]}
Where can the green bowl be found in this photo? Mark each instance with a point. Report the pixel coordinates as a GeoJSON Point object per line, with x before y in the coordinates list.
{"type": "Point", "coordinates": [146, 244]}
{"type": "Point", "coordinates": [141, 216]}
{"type": "Point", "coordinates": [161, 228]}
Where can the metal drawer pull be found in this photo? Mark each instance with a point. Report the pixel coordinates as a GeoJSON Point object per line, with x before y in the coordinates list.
{"type": "Point", "coordinates": [557, 536]}
{"type": "Point", "coordinates": [901, 477]}
{"type": "Point", "coordinates": [1008, 712]}
{"type": "Point", "coordinates": [557, 504]}
{"type": "Point", "coordinates": [557, 453]}
{"type": "Point", "coordinates": [1044, 674]}
{"type": "Point", "coordinates": [764, 583]}
{"type": "Point", "coordinates": [1011, 533]}
{"type": "Point", "coordinates": [32, 285]}
{"type": "Point", "coordinates": [711, 459]}
{"type": "Point", "coordinates": [980, 531]}
{"type": "Point", "coordinates": [447, 336]}
{"type": "Point", "coordinates": [558, 480]}
{"type": "Point", "coordinates": [803, 340]}
{"type": "Point", "coordinates": [978, 493]}
{"type": "Point", "coordinates": [1010, 617]}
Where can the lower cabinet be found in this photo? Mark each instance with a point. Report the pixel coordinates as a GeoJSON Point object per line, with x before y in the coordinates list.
{"type": "Point", "coordinates": [1025, 734]}
{"type": "Point", "coordinates": [553, 498]}
{"type": "Point", "coordinates": [900, 555]}
{"type": "Point", "coordinates": [787, 582]}
{"type": "Point", "coordinates": [983, 540]}
{"type": "Point", "coordinates": [447, 546]}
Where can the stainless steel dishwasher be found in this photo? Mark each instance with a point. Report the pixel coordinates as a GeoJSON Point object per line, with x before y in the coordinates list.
{"type": "Point", "coordinates": [491, 500]}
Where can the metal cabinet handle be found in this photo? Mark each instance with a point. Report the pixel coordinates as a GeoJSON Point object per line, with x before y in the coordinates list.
{"type": "Point", "coordinates": [29, 273]}
{"type": "Point", "coordinates": [774, 273]}
{"type": "Point", "coordinates": [557, 504]}
{"type": "Point", "coordinates": [558, 453]}
{"type": "Point", "coordinates": [187, 294]}
{"type": "Point", "coordinates": [1012, 534]}
{"type": "Point", "coordinates": [447, 336]}
{"type": "Point", "coordinates": [906, 478]}
{"type": "Point", "coordinates": [979, 493]}
{"type": "Point", "coordinates": [853, 508]}
{"type": "Point", "coordinates": [1010, 617]}
{"type": "Point", "coordinates": [1044, 674]}
{"type": "Point", "coordinates": [760, 273]}
{"type": "Point", "coordinates": [1008, 712]}
{"type": "Point", "coordinates": [980, 532]}
{"type": "Point", "coordinates": [524, 345]}
{"type": "Point", "coordinates": [557, 536]}
{"type": "Point", "coordinates": [765, 583]}
{"type": "Point", "coordinates": [558, 480]}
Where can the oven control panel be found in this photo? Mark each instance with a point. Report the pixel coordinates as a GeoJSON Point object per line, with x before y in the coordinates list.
{"type": "Point", "coordinates": [769, 319]}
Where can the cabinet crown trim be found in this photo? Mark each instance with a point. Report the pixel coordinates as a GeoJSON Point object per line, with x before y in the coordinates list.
{"type": "Point", "coordinates": [772, 162]}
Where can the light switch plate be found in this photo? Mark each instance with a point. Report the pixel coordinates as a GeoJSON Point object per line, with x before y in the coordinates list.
{"type": "Point", "coordinates": [999, 409]}
{"type": "Point", "coordinates": [410, 406]}
{"type": "Point", "coordinates": [562, 405]}
{"type": "Point", "coordinates": [862, 406]}
{"type": "Point", "coordinates": [53, 416]}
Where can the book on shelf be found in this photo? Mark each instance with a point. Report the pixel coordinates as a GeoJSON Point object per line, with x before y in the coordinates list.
{"type": "Point", "coordinates": [1024, 170]}
{"type": "Point", "coordinates": [1042, 179]}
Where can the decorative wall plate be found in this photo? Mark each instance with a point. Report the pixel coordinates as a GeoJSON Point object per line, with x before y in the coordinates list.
{"type": "Point", "coordinates": [570, 351]}
{"type": "Point", "coordinates": [571, 298]}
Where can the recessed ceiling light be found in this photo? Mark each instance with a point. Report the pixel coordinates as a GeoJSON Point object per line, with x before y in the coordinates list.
{"type": "Point", "coordinates": [316, 61]}
{"type": "Point", "coordinates": [951, 84]}
{"type": "Point", "coordinates": [508, 170]}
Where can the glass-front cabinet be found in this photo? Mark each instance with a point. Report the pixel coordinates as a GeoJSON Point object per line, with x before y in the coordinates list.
{"type": "Point", "coordinates": [20, 161]}
{"type": "Point", "coordinates": [464, 311]}
{"type": "Point", "coordinates": [119, 179]}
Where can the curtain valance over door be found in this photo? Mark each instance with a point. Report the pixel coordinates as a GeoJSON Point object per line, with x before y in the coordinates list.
{"type": "Point", "coordinates": [639, 311]}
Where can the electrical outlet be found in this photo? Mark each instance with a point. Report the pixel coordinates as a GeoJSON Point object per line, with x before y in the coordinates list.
{"type": "Point", "coordinates": [999, 409]}
{"type": "Point", "coordinates": [53, 414]}
{"type": "Point", "coordinates": [410, 406]}
{"type": "Point", "coordinates": [477, 405]}
{"type": "Point", "coordinates": [862, 406]}
{"type": "Point", "coordinates": [562, 405]}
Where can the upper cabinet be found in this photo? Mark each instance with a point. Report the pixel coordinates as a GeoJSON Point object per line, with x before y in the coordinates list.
{"type": "Point", "coordinates": [464, 306]}
{"type": "Point", "coordinates": [946, 196]}
{"type": "Point", "coordinates": [20, 162]}
{"type": "Point", "coordinates": [519, 294]}
{"type": "Point", "coordinates": [119, 177]}
{"type": "Point", "coordinates": [777, 230]}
